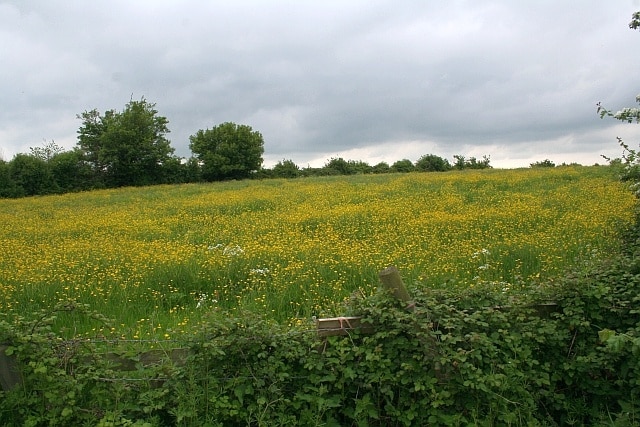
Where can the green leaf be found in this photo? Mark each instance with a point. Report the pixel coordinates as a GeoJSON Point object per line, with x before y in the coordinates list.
{"type": "Point", "coordinates": [606, 334]}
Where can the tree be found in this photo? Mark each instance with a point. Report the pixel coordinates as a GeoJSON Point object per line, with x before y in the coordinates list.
{"type": "Point", "coordinates": [286, 169]}
{"type": "Point", "coordinates": [127, 147]}
{"type": "Point", "coordinates": [338, 166]}
{"type": "Point", "coordinates": [404, 165]}
{"type": "Point", "coordinates": [627, 114]}
{"type": "Point", "coordinates": [635, 21]}
{"type": "Point", "coordinates": [70, 171]}
{"type": "Point", "coordinates": [228, 151]}
{"type": "Point", "coordinates": [360, 166]}
{"type": "Point", "coordinates": [471, 163]}
{"type": "Point", "coordinates": [8, 187]}
{"type": "Point", "coordinates": [546, 163]}
{"type": "Point", "coordinates": [382, 167]}
{"type": "Point", "coordinates": [460, 161]}
{"type": "Point", "coordinates": [31, 175]}
{"type": "Point", "coordinates": [474, 163]}
{"type": "Point", "coordinates": [191, 170]}
{"type": "Point", "coordinates": [90, 140]}
{"type": "Point", "coordinates": [46, 151]}
{"type": "Point", "coordinates": [432, 163]}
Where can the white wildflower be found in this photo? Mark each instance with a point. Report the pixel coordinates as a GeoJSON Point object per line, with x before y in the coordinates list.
{"type": "Point", "coordinates": [204, 298]}
{"type": "Point", "coordinates": [233, 250]}
{"type": "Point", "coordinates": [201, 301]}
{"type": "Point", "coordinates": [481, 253]}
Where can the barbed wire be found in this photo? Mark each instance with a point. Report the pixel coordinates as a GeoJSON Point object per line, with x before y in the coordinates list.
{"type": "Point", "coordinates": [346, 327]}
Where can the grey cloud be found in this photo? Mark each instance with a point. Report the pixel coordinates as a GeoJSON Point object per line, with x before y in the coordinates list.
{"type": "Point", "coordinates": [324, 78]}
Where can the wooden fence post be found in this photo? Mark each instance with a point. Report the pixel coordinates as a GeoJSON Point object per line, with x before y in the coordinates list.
{"type": "Point", "coordinates": [10, 376]}
{"type": "Point", "coordinates": [390, 278]}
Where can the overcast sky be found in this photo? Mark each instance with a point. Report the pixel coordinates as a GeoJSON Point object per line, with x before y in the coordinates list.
{"type": "Point", "coordinates": [363, 80]}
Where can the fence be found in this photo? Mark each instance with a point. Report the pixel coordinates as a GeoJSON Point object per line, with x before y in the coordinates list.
{"type": "Point", "coordinates": [11, 377]}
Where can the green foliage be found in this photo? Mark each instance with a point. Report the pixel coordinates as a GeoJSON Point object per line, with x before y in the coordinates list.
{"type": "Point", "coordinates": [461, 162]}
{"type": "Point", "coordinates": [190, 171]}
{"type": "Point", "coordinates": [31, 175]}
{"type": "Point", "coordinates": [340, 166]}
{"type": "Point", "coordinates": [628, 167]}
{"type": "Point", "coordinates": [432, 163]}
{"type": "Point", "coordinates": [47, 151]}
{"type": "Point", "coordinates": [404, 165]}
{"type": "Point", "coordinates": [627, 114]}
{"type": "Point", "coordinates": [228, 151]}
{"type": "Point", "coordinates": [70, 172]}
{"type": "Point", "coordinates": [635, 21]}
{"type": "Point", "coordinates": [360, 167]}
{"type": "Point", "coordinates": [46, 170]}
{"type": "Point", "coordinates": [546, 163]}
{"type": "Point", "coordinates": [286, 169]}
{"type": "Point", "coordinates": [69, 382]}
{"type": "Point", "coordinates": [127, 147]}
{"type": "Point", "coordinates": [8, 187]}
{"type": "Point", "coordinates": [382, 167]}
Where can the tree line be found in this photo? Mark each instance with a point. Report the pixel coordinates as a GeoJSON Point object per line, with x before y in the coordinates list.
{"type": "Point", "coordinates": [131, 148]}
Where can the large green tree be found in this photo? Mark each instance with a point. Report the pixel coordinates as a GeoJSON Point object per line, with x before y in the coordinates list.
{"type": "Point", "coordinates": [228, 151]}
{"type": "Point", "coordinates": [127, 147]}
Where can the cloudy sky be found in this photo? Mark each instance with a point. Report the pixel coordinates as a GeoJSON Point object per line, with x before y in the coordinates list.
{"type": "Point", "coordinates": [368, 80]}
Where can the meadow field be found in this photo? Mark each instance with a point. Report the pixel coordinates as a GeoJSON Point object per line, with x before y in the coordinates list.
{"type": "Point", "coordinates": [157, 259]}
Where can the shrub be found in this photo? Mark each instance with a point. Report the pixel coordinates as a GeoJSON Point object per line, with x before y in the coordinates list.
{"type": "Point", "coordinates": [546, 163]}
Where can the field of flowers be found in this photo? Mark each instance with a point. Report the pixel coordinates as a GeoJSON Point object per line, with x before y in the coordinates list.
{"type": "Point", "coordinates": [157, 259]}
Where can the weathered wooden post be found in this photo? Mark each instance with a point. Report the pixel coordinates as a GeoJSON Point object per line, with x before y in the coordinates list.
{"type": "Point", "coordinates": [391, 280]}
{"type": "Point", "coordinates": [10, 376]}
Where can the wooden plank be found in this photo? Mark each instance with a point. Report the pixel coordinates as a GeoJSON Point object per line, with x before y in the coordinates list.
{"type": "Point", "coordinates": [335, 326]}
